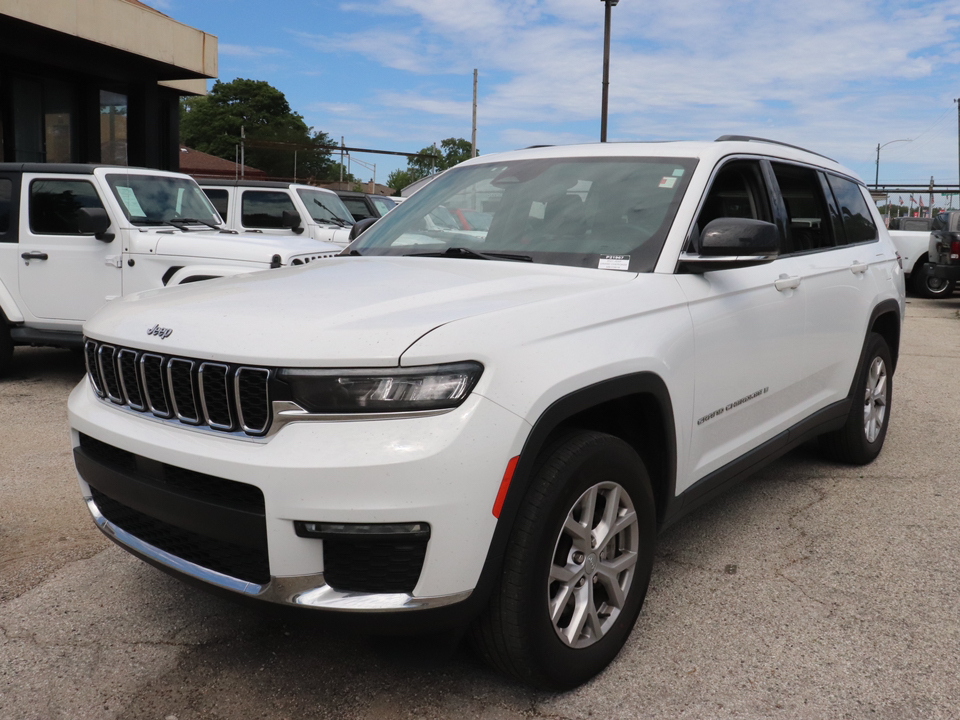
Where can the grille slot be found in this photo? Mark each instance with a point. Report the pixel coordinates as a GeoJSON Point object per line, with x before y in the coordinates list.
{"type": "Point", "coordinates": [219, 396]}
{"type": "Point", "coordinates": [108, 373]}
{"type": "Point", "coordinates": [253, 401]}
{"type": "Point", "coordinates": [129, 382]}
{"type": "Point", "coordinates": [215, 395]}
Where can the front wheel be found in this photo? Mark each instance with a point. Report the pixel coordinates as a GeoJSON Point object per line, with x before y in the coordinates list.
{"type": "Point", "coordinates": [577, 565]}
{"type": "Point", "coordinates": [927, 286]}
{"type": "Point", "coordinates": [859, 441]}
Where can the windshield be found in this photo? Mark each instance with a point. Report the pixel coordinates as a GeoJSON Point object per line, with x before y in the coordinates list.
{"type": "Point", "coordinates": [586, 212]}
{"type": "Point", "coordinates": [158, 199]}
{"type": "Point", "coordinates": [325, 207]}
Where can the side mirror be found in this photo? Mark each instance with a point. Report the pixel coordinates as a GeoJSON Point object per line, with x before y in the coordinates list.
{"type": "Point", "coordinates": [96, 222]}
{"type": "Point", "coordinates": [359, 226]}
{"type": "Point", "coordinates": [727, 243]}
{"type": "Point", "coordinates": [292, 220]}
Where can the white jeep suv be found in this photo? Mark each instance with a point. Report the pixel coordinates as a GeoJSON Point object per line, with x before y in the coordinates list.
{"type": "Point", "coordinates": [442, 429]}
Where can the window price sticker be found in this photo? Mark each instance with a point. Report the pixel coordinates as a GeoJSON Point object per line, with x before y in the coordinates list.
{"type": "Point", "coordinates": [668, 182]}
{"type": "Point", "coordinates": [614, 262]}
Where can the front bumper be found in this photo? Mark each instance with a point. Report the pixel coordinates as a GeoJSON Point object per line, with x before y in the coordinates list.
{"type": "Point", "coordinates": [443, 470]}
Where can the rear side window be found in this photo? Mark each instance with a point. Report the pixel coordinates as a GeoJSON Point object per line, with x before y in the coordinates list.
{"type": "Point", "coordinates": [358, 208]}
{"type": "Point", "coordinates": [809, 225]}
{"type": "Point", "coordinates": [55, 205]}
{"type": "Point", "coordinates": [858, 225]}
{"type": "Point", "coordinates": [264, 209]}
{"type": "Point", "coordinates": [220, 200]}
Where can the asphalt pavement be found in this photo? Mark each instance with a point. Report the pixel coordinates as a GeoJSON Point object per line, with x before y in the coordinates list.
{"type": "Point", "coordinates": [812, 590]}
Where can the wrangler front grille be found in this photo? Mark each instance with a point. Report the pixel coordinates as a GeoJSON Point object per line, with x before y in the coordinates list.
{"type": "Point", "coordinates": [219, 396]}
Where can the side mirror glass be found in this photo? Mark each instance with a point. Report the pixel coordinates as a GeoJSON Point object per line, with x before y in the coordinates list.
{"type": "Point", "coordinates": [96, 222]}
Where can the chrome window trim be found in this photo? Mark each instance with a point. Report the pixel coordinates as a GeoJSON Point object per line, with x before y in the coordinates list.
{"type": "Point", "coordinates": [136, 371]}
{"type": "Point", "coordinates": [146, 391]}
{"type": "Point", "coordinates": [226, 394]}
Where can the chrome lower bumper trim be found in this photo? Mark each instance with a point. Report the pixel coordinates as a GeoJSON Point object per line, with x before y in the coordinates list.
{"type": "Point", "coordinates": [301, 590]}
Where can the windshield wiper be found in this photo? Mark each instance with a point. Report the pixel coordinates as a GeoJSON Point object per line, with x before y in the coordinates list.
{"type": "Point", "coordinates": [462, 252]}
{"type": "Point", "coordinates": [180, 222]}
{"type": "Point", "coordinates": [334, 218]}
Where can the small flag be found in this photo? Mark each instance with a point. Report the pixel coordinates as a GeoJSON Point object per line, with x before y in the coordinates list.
{"type": "Point", "coordinates": [901, 199]}
{"type": "Point", "coordinates": [921, 201]}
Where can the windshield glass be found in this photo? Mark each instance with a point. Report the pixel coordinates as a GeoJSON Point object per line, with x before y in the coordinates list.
{"type": "Point", "coordinates": [325, 207]}
{"type": "Point", "coordinates": [585, 212]}
{"type": "Point", "coordinates": [158, 199]}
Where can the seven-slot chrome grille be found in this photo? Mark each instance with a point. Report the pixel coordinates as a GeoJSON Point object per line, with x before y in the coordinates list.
{"type": "Point", "coordinates": [219, 396]}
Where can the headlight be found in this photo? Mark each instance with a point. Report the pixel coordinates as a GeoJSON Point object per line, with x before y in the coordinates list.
{"type": "Point", "coordinates": [430, 387]}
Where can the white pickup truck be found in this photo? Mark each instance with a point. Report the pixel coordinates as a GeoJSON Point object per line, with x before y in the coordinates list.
{"type": "Point", "coordinates": [280, 208]}
{"type": "Point", "coordinates": [73, 237]}
{"type": "Point", "coordinates": [911, 236]}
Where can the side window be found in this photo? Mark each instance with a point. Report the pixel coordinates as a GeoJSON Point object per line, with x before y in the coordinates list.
{"type": "Point", "coordinates": [264, 209]}
{"type": "Point", "coordinates": [6, 198]}
{"type": "Point", "coordinates": [220, 200]}
{"type": "Point", "coordinates": [737, 191]}
{"type": "Point", "coordinates": [809, 225]}
{"type": "Point", "coordinates": [857, 222]}
{"type": "Point", "coordinates": [357, 208]}
{"type": "Point", "coordinates": [55, 205]}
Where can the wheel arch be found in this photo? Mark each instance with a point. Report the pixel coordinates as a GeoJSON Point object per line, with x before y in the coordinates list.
{"type": "Point", "coordinates": [637, 408]}
{"type": "Point", "coordinates": [886, 322]}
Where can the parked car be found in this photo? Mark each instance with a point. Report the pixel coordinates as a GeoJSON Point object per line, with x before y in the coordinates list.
{"type": "Point", "coordinates": [73, 237]}
{"type": "Point", "coordinates": [445, 429]}
{"type": "Point", "coordinates": [911, 236]}
{"type": "Point", "coordinates": [363, 206]}
{"type": "Point", "coordinates": [280, 208]}
{"type": "Point", "coordinates": [944, 249]}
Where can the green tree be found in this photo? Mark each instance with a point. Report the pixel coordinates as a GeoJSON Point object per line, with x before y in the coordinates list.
{"type": "Point", "coordinates": [278, 140]}
{"type": "Point", "coordinates": [450, 152]}
{"type": "Point", "coordinates": [399, 179]}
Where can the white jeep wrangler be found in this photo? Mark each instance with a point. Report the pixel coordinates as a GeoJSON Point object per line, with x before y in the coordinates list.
{"type": "Point", "coordinates": [489, 430]}
{"type": "Point", "coordinates": [280, 208]}
{"type": "Point", "coordinates": [73, 237]}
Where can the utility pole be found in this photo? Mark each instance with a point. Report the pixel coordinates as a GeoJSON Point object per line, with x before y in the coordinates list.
{"type": "Point", "coordinates": [608, 6]}
{"type": "Point", "coordinates": [243, 155]}
{"type": "Point", "coordinates": [957, 101]}
{"type": "Point", "coordinates": [473, 141]}
{"type": "Point", "coordinates": [931, 196]}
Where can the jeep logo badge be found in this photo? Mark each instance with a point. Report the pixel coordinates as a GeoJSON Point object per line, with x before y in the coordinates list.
{"type": "Point", "coordinates": [162, 333]}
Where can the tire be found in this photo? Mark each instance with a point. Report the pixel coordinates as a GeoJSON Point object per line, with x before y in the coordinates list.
{"type": "Point", "coordinates": [563, 606]}
{"type": "Point", "coordinates": [6, 347]}
{"type": "Point", "coordinates": [860, 440]}
{"type": "Point", "coordinates": [926, 286]}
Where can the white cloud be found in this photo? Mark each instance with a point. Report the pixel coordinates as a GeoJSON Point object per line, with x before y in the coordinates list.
{"type": "Point", "coordinates": [836, 75]}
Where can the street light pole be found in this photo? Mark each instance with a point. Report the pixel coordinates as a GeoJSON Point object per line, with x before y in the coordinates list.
{"type": "Point", "coordinates": [608, 5]}
{"type": "Point", "coordinates": [876, 179]}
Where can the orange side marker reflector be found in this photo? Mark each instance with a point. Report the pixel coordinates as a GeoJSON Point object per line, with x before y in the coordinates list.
{"type": "Point", "coordinates": [504, 486]}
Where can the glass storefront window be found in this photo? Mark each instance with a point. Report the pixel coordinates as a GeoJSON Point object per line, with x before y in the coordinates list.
{"type": "Point", "coordinates": [113, 128]}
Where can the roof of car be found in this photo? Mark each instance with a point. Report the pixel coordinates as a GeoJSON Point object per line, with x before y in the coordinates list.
{"type": "Point", "coordinates": [713, 151]}
{"type": "Point", "coordinates": [257, 184]}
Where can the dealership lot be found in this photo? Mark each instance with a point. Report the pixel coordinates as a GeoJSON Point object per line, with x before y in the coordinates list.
{"type": "Point", "coordinates": [812, 590]}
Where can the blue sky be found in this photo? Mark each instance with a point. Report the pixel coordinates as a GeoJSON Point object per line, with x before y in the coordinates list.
{"type": "Point", "coordinates": [834, 76]}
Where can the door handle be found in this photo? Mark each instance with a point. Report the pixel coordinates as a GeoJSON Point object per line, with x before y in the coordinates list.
{"type": "Point", "coordinates": [787, 282]}
{"type": "Point", "coordinates": [858, 268]}
{"type": "Point", "coordinates": [34, 255]}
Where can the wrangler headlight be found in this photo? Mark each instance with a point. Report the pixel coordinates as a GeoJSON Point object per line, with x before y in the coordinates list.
{"type": "Point", "coordinates": [374, 390]}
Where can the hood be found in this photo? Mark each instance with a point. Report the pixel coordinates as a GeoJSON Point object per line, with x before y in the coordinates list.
{"type": "Point", "coordinates": [252, 247]}
{"type": "Point", "coordinates": [346, 311]}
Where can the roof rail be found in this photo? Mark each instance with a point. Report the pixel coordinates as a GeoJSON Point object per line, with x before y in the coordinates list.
{"type": "Point", "coordinates": [749, 138]}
